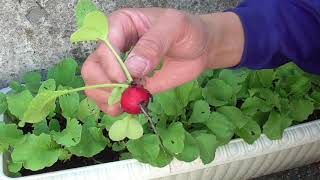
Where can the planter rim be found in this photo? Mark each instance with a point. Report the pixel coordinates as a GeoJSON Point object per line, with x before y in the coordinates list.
{"type": "Point", "coordinates": [236, 150]}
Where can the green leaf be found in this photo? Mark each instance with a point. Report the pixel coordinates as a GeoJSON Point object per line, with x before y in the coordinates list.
{"type": "Point", "coordinates": [88, 108]}
{"type": "Point", "coordinates": [127, 127]}
{"type": "Point", "coordinates": [144, 149]}
{"type": "Point", "coordinates": [174, 101]}
{"type": "Point", "coordinates": [64, 155]}
{"type": "Point", "coordinates": [207, 144]}
{"type": "Point", "coordinates": [266, 77]}
{"type": "Point", "coordinates": [10, 135]}
{"type": "Point", "coordinates": [252, 104]}
{"type": "Point", "coordinates": [188, 92]}
{"type": "Point", "coordinates": [220, 125]}
{"type": "Point", "coordinates": [77, 82]}
{"type": "Point", "coordinates": [92, 142]}
{"type": "Point", "coordinates": [119, 146]}
{"type": "Point", "coordinates": [115, 96]}
{"type": "Point", "coordinates": [83, 8]}
{"type": "Point", "coordinates": [249, 132]}
{"type": "Point", "coordinates": [34, 147]}
{"type": "Point", "coordinates": [275, 125]}
{"type": "Point", "coordinates": [234, 78]}
{"type": "Point", "coordinates": [19, 103]}
{"type": "Point", "coordinates": [41, 106]}
{"type": "Point", "coordinates": [14, 167]}
{"type": "Point", "coordinates": [300, 109]}
{"type": "Point", "coordinates": [218, 93]}
{"type": "Point", "coordinates": [271, 98]}
{"type": "Point", "coordinates": [234, 115]}
{"type": "Point", "coordinates": [69, 104]}
{"type": "Point", "coordinates": [70, 136]}
{"type": "Point", "coordinates": [300, 86]}
{"type": "Point", "coordinates": [162, 160]}
{"type": "Point", "coordinates": [3, 103]}
{"type": "Point", "coordinates": [16, 86]}
{"type": "Point", "coordinates": [32, 81]}
{"type": "Point", "coordinates": [315, 95]}
{"type": "Point", "coordinates": [169, 103]}
{"type": "Point", "coordinates": [64, 73]}
{"type": "Point", "coordinates": [173, 137]}
{"type": "Point", "coordinates": [190, 151]}
{"type": "Point", "coordinates": [48, 85]}
{"type": "Point", "coordinates": [125, 156]}
{"type": "Point", "coordinates": [40, 128]}
{"type": "Point", "coordinates": [107, 120]}
{"type": "Point", "coordinates": [54, 125]}
{"type": "Point", "coordinates": [95, 27]}
{"type": "Point", "coordinates": [201, 112]}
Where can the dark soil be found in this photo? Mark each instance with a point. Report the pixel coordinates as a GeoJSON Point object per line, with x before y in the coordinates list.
{"type": "Point", "coordinates": [105, 156]}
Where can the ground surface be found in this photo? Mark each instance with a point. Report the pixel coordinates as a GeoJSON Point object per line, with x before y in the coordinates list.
{"type": "Point", "coordinates": [310, 172]}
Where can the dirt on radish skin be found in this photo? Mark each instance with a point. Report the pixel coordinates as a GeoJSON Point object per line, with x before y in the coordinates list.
{"type": "Point", "coordinates": [133, 97]}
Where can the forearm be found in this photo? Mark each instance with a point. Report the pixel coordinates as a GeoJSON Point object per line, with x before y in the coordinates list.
{"type": "Point", "coordinates": [226, 40]}
{"type": "Point", "coordinates": [266, 34]}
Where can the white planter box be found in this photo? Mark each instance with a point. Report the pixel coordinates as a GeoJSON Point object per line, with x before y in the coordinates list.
{"type": "Point", "coordinates": [238, 160]}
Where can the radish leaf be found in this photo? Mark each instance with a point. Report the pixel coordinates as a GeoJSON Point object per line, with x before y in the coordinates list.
{"type": "Point", "coordinates": [115, 96]}
{"type": "Point", "coordinates": [95, 27]}
{"type": "Point", "coordinates": [70, 136]}
{"type": "Point", "coordinates": [19, 103]}
{"type": "Point", "coordinates": [83, 8]}
{"type": "Point", "coordinates": [127, 127]}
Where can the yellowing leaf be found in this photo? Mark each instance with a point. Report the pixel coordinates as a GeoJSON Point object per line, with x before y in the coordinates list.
{"type": "Point", "coordinates": [115, 96]}
{"type": "Point", "coordinates": [127, 127]}
{"type": "Point", "coordinates": [41, 106]}
{"type": "Point", "coordinates": [83, 8]}
{"type": "Point", "coordinates": [95, 27]}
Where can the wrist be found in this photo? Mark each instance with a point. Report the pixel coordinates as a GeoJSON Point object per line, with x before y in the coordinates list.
{"type": "Point", "coordinates": [226, 40]}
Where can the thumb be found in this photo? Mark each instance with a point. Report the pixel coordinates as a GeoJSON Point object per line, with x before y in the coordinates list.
{"type": "Point", "coordinates": [153, 45]}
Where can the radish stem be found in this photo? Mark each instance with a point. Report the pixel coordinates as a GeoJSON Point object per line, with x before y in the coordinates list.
{"type": "Point", "coordinates": [98, 86]}
{"type": "Point", "coordinates": [123, 66]}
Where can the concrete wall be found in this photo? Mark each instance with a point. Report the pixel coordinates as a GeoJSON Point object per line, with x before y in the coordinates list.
{"type": "Point", "coordinates": [34, 34]}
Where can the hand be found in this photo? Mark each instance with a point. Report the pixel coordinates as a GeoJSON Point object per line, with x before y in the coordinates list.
{"type": "Point", "coordinates": [185, 42]}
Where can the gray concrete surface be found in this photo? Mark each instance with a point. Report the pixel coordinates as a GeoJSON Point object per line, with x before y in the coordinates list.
{"type": "Point", "coordinates": [34, 34]}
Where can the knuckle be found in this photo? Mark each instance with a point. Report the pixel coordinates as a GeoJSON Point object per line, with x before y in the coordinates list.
{"type": "Point", "coordinates": [180, 17]}
{"type": "Point", "coordinates": [150, 47]}
{"type": "Point", "coordinates": [120, 14]}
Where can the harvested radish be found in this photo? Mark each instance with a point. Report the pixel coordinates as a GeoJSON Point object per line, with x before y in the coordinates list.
{"type": "Point", "coordinates": [133, 97]}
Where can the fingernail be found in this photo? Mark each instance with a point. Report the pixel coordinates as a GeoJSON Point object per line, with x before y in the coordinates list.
{"type": "Point", "coordinates": [137, 65]}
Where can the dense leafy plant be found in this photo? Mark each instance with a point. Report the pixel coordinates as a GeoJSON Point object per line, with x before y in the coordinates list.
{"type": "Point", "coordinates": [49, 119]}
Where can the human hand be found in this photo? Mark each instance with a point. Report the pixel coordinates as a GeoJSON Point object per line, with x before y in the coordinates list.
{"type": "Point", "coordinates": [186, 43]}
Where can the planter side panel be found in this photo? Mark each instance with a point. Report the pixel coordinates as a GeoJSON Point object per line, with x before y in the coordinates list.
{"type": "Point", "coordinates": [256, 166]}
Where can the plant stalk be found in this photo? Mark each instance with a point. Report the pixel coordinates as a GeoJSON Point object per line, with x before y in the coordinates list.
{"type": "Point", "coordinates": [98, 86]}
{"type": "Point", "coordinates": [123, 66]}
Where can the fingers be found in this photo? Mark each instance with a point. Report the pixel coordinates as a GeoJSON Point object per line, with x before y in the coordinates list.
{"type": "Point", "coordinates": [111, 67]}
{"type": "Point", "coordinates": [92, 74]}
{"type": "Point", "coordinates": [126, 26]}
{"type": "Point", "coordinates": [174, 74]}
{"type": "Point", "coordinates": [155, 43]}
{"type": "Point", "coordinates": [110, 110]}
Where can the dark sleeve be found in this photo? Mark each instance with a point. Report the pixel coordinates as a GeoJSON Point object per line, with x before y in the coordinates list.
{"type": "Point", "coordinates": [279, 31]}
